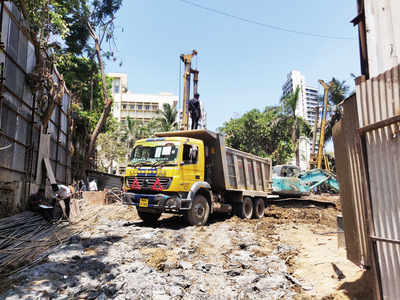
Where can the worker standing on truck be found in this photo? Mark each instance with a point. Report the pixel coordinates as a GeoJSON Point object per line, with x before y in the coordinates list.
{"type": "Point", "coordinates": [195, 111]}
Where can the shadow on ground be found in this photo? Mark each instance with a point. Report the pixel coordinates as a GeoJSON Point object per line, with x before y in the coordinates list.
{"type": "Point", "coordinates": [80, 259]}
{"type": "Point", "coordinates": [178, 222]}
{"type": "Point", "coordinates": [361, 288]}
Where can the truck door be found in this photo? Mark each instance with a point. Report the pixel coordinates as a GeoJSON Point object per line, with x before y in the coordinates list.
{"type": "Point", "coordinates": [190, 166]}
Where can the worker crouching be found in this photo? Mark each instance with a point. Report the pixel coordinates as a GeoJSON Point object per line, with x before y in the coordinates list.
{"type": "Point", "coordinates": [62, 194]}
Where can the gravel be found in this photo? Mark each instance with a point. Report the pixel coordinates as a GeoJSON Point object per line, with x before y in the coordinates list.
{"type": "Point", "coordinates": [116, 259]}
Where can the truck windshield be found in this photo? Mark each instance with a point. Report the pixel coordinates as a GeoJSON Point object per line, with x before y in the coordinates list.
{"type": "Point", "coordinates": [165, 154]}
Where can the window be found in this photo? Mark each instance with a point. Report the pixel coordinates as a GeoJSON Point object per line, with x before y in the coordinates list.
{"type": "Point", "coordinates": [132, 107]}
{"type": "Point", "coordinates": [123, 106]}
{"type": "Point", "coordinates": [190, 153]}
{"type": "Point", "coordinates": [155, 107]}
{"type": "Point", "coordinates": [147, 107]}
{"type": "Point", "coordinates": [116, 85]}
{"type": "Point", "coordinates": [140, 107]}
{"type": "Point", "coordinates": [152, 154]}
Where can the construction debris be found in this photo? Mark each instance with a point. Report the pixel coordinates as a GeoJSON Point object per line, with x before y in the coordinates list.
{"type": "Point", "coordinates": [115, 256]}
{"type": "Point", "coordinates": [25, 239]}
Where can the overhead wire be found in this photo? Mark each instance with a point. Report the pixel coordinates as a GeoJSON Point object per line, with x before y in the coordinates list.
{"type": "Point", "coordinates": [265, 25]}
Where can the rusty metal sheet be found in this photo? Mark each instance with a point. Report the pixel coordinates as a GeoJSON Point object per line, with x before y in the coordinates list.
{"type": "Point", "coordinates": [352, 184]}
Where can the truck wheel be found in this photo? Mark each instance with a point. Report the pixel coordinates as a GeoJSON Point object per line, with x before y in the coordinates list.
{"type": "Point", "coordinates": [258, 208]}
{"type": "Point", "coordinates": [148, 218]}
{"type": "Point", "coordinates": [198, 214]}
{"type": "Point", "coordinates": [246, 208]}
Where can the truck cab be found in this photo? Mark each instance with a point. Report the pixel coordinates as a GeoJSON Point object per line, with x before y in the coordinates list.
{"type": "Point", "coordinates": [161, 173]}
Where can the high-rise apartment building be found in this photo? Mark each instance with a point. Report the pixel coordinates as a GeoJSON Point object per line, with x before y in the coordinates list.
{"type": "Point", "coordinates": [308, 100]}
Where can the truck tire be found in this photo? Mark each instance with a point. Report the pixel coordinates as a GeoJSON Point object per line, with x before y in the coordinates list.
{"type": "Point", "coordinates": [199, 212]}
{"type": "Point", "coordinates": [148, 218]}
{"type": "Point", "coordinates": [246, 208]}
{"type": "Point", "coordinates": [258, 208]}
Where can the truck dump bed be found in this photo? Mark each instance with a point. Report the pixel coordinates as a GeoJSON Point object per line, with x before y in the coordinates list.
{"type": "Point", "coordinates": [248, 172]}
{"type": "Point", "coordinates": [230, 169]}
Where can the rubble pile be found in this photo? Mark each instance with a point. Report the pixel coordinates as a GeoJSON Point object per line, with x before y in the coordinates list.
{"type": "Point", "coordinates": [120, 258]}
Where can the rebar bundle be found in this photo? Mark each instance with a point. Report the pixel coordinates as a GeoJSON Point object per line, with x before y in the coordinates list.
{"type": "Point", "coordinates": [25, 238]}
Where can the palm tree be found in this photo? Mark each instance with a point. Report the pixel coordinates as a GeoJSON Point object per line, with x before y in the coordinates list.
{"type": "Point", "coordinates": [337, 93]}
{"type": "Point", "coordinates": [299, 126]}
{"type": "Point", "coordinates": [134, 130]}
{"type": "Point", "coordinates": [168, 117]}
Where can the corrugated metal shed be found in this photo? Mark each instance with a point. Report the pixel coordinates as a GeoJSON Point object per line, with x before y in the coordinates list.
{"type": "Point", "coordinates": [382, 19]}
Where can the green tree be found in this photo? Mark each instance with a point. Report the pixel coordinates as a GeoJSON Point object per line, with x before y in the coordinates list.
{"type": "Point", "coordinates": [299, 127]}
{"type": "Point", "coordinates": [134, 130]}
{"type": "Point", "coordinates": [338, 92]}
{"type": "Point", "coordinates": [111, 148]}
{"type": "Point", "coordinates": [266, 134]}
{"type": "Point", "coordinates": [168, 117]}
{"type": "Point", "coordinates": [85, 26]}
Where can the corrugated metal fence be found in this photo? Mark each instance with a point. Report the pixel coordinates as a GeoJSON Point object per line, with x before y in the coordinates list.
{"type": "Point", "coordinates": [378, 104]}
{"type": "Point", "coordinates": [351, 177]}
{"type": "Point", "coordinates": [20, 116]}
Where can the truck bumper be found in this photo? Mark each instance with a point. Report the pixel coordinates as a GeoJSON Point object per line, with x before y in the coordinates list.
{"type": "Point", "coordinates": [159, 202]}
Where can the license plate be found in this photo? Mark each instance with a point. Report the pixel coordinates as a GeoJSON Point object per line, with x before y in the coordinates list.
{"type": "Point", "coordinates": [143, 202]}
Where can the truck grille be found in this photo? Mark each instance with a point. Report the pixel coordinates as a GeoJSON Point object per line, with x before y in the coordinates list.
{"type": "Point", "coordinates": [148, 182]}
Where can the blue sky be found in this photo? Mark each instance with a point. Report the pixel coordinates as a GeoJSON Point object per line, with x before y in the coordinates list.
{"type": "Point", "coordinates": [242, 66]}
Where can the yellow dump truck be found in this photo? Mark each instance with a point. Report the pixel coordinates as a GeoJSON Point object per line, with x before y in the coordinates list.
{"type": "Point", "coordinates": [194, 174]}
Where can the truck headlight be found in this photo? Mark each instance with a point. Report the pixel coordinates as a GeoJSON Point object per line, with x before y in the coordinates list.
{"type": "Point", "coordinates": [171, 202]}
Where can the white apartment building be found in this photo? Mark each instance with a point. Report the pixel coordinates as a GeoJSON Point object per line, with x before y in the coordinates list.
{"type": "Point", "coordinates": [136, 106]}
{"type": "Point", "coordinates": [308, 100]}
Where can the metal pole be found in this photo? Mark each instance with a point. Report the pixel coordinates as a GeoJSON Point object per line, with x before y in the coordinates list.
{"type": "Point", "coordinates": [187, 59]}
{"type": "Point", "coordinates": [195, 81]}
{"type": "Point", "coordinates": [186, 95]}
{"type": "Point", "coordinates": [316, 121]}
{"type": "Point", "coordinates": [323, 123]}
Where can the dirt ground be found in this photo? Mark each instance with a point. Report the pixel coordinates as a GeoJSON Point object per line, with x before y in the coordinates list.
{"type": "Point", "coordinates": [291, 253]}
{"type": "Point", "coordinates": [312, 229]}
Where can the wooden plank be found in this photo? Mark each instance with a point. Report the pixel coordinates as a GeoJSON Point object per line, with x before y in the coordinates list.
{"type": "Point", "coordinates": [377, 105]}
{"type": "Point", "coordinates": [381, 124]}
{"type": "Point", "coordinates": [359, 100]}
{"type": "Point", "coordinates": [369, 101]}
{"type": "Point", "coordinates": [49, 169]}
{"type": "Point", "coordinates": [387, 85]}
{"type": "Point", "coordinates": [95, 198]}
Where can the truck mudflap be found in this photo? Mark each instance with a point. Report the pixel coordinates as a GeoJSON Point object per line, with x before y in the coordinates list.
{"type": "Point", "coordinates": [161, 202]}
